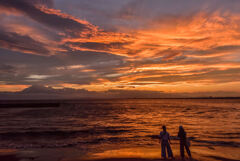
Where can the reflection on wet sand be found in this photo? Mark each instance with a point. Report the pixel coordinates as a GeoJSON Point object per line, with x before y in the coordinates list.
{"type": "Point", "coordinates": [123, 154]}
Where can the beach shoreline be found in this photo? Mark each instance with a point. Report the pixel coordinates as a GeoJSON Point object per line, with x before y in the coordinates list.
{"type": "Point", "coordinates": [73, 154]}
{"type": "Point", "coordinates": [12, 157]}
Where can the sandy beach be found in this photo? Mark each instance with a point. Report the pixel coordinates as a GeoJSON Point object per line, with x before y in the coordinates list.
{"type": "Point", "coordinates": [13, 157]}
{"type": "Point", "coordinates": [73, 154]}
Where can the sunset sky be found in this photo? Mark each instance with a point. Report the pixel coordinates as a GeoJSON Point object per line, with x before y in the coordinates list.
{"type": "Point", "coordinates": [170, 46]}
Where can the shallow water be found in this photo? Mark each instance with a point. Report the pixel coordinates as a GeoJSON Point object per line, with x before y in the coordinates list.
{"type": "Point", "coordinates": [100, 125]}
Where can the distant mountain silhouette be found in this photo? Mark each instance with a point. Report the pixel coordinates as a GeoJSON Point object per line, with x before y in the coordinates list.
{"type": "Point", "coordinates": [42, 92]}
{"type": "Point", "coordinates": [38, 89]}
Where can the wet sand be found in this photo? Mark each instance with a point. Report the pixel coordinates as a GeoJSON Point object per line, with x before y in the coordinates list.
{"type": "Point", "coordinates": [16, 158]}
{"type": "Point", "coordinates": [72, 155]}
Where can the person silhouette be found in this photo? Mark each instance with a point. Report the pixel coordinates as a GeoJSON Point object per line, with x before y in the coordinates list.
{"type": "Point", "coordinates": [183, 142]}
{"type": "Point", "coordinates": [165, 143]}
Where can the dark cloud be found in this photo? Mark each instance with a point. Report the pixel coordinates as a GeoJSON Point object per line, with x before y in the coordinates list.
{"type": "Point", "coordinates": [217, 50]}
{"type": "Point", "coordinates": [5, 69]}
{"type": "Point", "coordinates": [23, 43]}
{"type": "Point", "coordinates": [214, 75]}
{"type": "Point", "coordinates": [51, 18]}
{"type": "Point", "coordinates": [94, 59]}
{"type": "Point", "coordinates": [170, 54]}
{"type": "Point", "coordinates": [88, 58]}
{"type": "Point", "coordinates": [99, 12]}
{"type": "Point", "coordinates": [17, 58]}
{"type": "Point", "coordinates": [25, 65]}
{"type": "Point", "coordinates": [134, 8]}
{"type": "Point", "coordinates": [100, 46]}
{"type": "Point", "coordinates": [47, 3]}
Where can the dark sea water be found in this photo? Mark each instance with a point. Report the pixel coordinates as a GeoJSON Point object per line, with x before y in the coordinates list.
{"type": "Point", "coordinates": [104, 124]}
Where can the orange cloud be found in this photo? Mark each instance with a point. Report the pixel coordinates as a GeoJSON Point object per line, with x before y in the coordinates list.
{"type": "Point", "coordinates": [12, 88]}
{"type": "Point", "coordinates": [203, 35]}
{"type": "Point", "coordinates": [172, 53]}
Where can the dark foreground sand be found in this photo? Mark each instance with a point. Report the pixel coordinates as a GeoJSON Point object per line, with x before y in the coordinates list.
{"type": "Point", "coordinates": [9, 158]}
{"type": "Point", "coordinates": [128, 154]}
{"type": "Point", "coordinates": [16, 158]}
{"type": "Point", "coordinates": [12, 157]}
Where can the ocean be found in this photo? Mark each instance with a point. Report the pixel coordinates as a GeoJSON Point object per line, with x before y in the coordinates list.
{"type": "Point", "coordinates": [96, 126]}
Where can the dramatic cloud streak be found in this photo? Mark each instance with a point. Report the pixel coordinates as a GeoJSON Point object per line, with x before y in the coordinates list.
{"type": "Point", "coordinates": [129, 45]}
{"type": "Point", "coordinates": [50, 17]}
{"type": "Point", "coordinates": [21, 43]}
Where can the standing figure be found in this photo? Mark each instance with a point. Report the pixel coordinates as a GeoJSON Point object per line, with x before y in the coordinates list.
{"type": "Point", "coordinates": [183, 142]}
{"type": "Point", "coordinates": [165, 143]}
